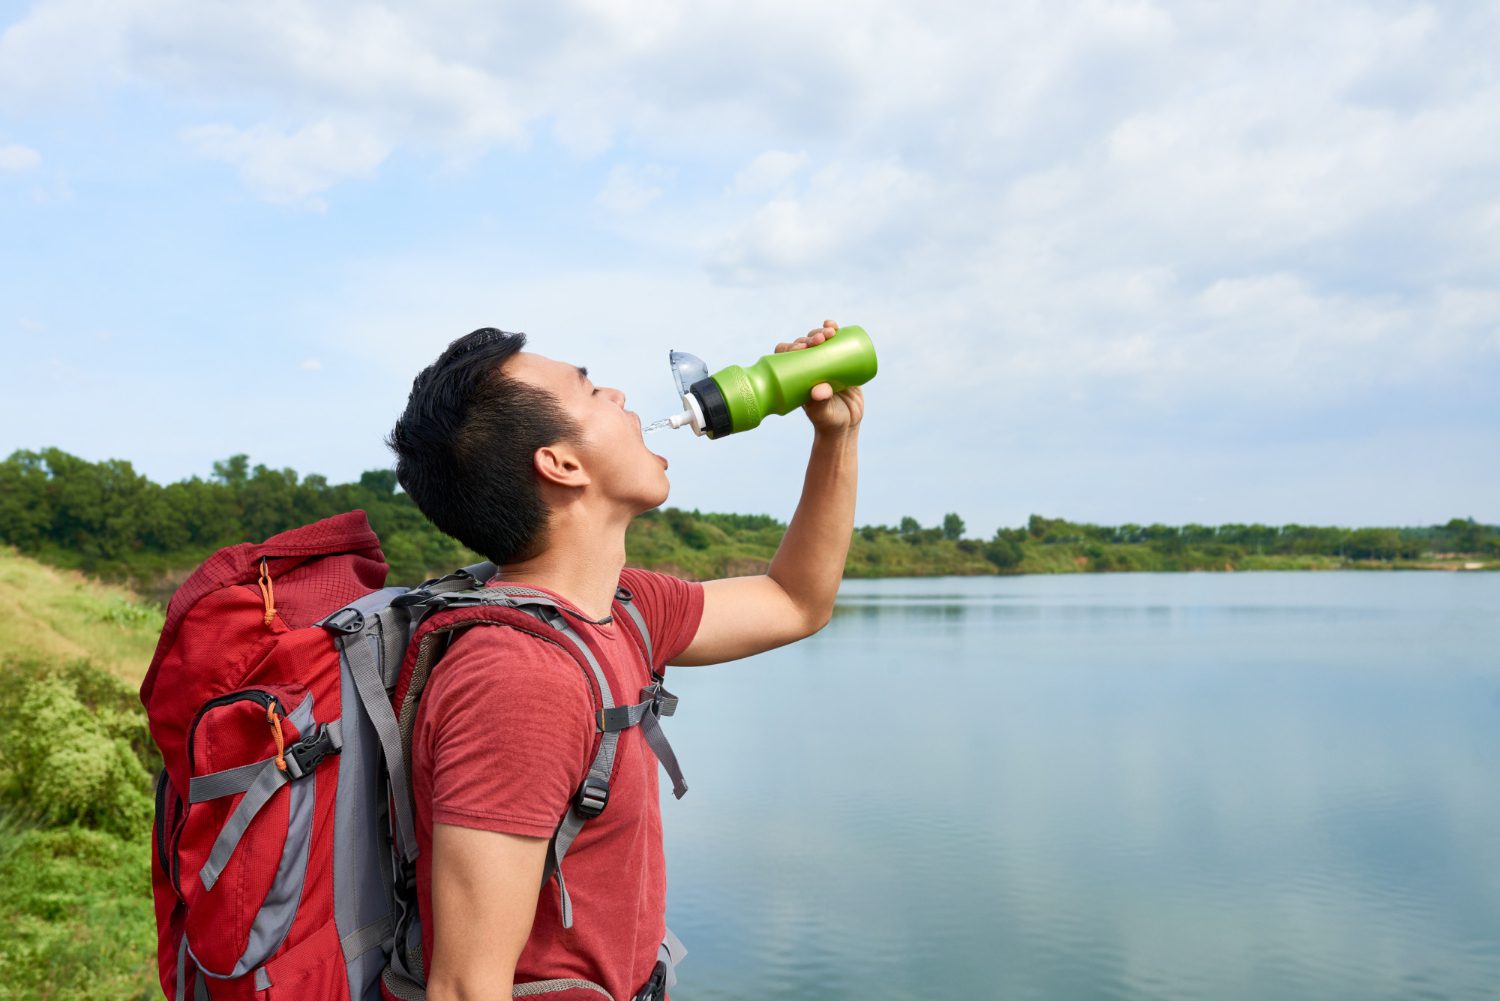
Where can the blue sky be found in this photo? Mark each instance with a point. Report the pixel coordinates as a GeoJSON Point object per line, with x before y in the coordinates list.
{"type": "Point", "coordinates": [1122, 261]}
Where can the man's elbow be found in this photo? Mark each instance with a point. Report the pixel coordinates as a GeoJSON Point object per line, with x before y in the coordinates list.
{"type": "Point", "coordinates": [815, 620]}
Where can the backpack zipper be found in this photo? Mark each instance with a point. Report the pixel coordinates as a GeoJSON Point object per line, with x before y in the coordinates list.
{"type": "Point", "coordinates": [256, 695]}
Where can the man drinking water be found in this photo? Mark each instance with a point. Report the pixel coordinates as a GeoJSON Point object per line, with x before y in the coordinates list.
{"type": "Point", "coordinates": [526, 460]}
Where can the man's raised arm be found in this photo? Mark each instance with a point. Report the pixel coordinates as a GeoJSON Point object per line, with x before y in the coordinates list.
{"type": "Point", "coordinates": [794, 598]}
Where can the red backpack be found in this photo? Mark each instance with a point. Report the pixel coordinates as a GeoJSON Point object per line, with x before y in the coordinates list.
{"type": "Point", "coordinates": [282, 695]}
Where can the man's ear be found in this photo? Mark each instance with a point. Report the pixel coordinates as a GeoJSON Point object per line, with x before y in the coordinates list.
{"type": "Point", "coordinates": [559, 465]}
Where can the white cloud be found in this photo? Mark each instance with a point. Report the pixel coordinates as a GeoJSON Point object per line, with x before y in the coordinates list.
{"type": "Point", "coordinates": [310, 365]}
{"type": "Point", "coordinates": [1093, 209]}
{"type": "Point", "coordinates": [292, 167]}
{"type": "Point", "coordinates": [832, 224]}
{"type": "Point", "coordinates": [15, 158]}
{"type": "Point", "coordinates": [629, 189]}
{"type": "Point", "coordinates": [767, 172]}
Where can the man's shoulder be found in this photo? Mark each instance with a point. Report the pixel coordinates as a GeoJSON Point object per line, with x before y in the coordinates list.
{"type": "Point", "coordinates": [497, 657]}
{"type": "Point", "coordinates": [653, 586]}
{"type": "Point", "coordinates": [643, 573]}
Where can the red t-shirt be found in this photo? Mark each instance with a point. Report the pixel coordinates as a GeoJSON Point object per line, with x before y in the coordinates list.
{"type": "Point", "coordinates": [504, 736]}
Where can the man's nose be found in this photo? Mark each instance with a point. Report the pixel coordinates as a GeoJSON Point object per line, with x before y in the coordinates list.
{"type": "Point", "coordinates": [616, 395]}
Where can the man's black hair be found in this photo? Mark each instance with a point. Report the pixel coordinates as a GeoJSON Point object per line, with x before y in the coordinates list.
{"type": "Point", "coordinates": [465, 443]}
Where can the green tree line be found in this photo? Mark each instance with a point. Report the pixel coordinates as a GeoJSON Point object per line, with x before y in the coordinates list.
{"type": "Point", "coordinates": [108, 519]}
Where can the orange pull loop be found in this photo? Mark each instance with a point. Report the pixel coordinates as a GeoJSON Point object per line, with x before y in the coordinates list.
{"type": "Point", "coordinates": [276, 735]}
{"type": "Point", "coordinates": [267, 592]}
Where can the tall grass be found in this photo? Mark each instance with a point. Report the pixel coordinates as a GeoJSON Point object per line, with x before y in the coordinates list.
{"type": "Point", "coordinates": [76, 919]}
{"type": "Point", "coordinates": [61, 615]}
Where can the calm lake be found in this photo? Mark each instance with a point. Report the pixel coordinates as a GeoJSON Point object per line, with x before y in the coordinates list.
{"type": "Point", "coordinates": [1194, 786]}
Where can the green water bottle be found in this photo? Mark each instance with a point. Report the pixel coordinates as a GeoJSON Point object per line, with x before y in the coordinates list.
{"type": "Point", "coordinates": [739, 398]}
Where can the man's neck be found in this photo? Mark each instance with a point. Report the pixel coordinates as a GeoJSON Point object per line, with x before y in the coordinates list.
{"type": "Point", "coordinates": [581, 562]}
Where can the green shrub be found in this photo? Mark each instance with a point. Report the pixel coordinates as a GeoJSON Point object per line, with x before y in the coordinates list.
{"type": "Point", "coordinates": [76, 920]}
{"type": "Point", "coordinates": [74, 748]}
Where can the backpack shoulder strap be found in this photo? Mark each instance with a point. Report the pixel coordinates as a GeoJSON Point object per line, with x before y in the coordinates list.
{"type": "Point", "coordinates": [626, 600]}
{"type": "Point", "coordinates": [482, 606]}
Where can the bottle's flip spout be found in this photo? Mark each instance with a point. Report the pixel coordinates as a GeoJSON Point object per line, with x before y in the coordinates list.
{"type": "Point", "coordinates": [687, 369]}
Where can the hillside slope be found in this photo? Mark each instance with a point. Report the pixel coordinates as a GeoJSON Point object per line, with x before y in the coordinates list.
{"type": "Point", "coordinates": [61, 615]}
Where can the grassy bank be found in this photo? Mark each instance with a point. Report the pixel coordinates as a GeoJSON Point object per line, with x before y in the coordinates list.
{"type": "Point", "coordinates": [75, 781]}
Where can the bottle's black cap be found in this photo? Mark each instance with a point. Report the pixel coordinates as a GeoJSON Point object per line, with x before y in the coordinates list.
{"type": "Point", "coordinates": [715, 410]}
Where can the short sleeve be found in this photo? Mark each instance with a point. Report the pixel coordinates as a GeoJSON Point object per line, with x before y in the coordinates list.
{"type": "Point", "coordinates": [672, 608]}
{"type": "Point", "coordinates": [507, 723]}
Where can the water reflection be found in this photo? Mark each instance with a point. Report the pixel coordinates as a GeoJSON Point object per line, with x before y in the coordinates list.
{"type": "Point", "coordinates": [1079, 788]}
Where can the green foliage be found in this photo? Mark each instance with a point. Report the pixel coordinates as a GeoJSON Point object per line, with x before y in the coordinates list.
{"type": "Point", "coordinates": [1003, 552]}
{"type": "Point", "coordinates": [107, 519]}
{"type": "Point", "coordinates": [76, 920]}
{"type": "Point", "coordinates": [74, 748]}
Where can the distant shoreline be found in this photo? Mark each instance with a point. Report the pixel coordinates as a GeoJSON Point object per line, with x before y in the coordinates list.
{"type": "Point", "coordinates": [109, 521]}
{"type": "Point", "coordinates": [1476, 568]}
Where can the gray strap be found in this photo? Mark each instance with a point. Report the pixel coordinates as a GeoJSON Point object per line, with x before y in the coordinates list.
{"type": "Point", "coordinates": [200, 989]}
{"type": "Point", "coordinates": [622, 717]}
{"type": "Point", "coordinates": [640, 624]}
{"type": "Point", "coordinates": [262, 979]}
{"type": "Point", "coordinates": [658, 702]}
{"type": "Point", "coordinates": [565, 901]}
{"type": "Point", "coordinates": [395, 632]}
{"type": "Point", "coordinates": [657, 740]}
{"type": "Point", "coordinates": [267, 781]}
{"type": "Point", "coordinates": [361, 655]}
{"type": "Point", "coordinates": [663, 702]}
{"type": "Point", "coordinates": [599, 771]}
{"type": "Point", "coordinates": [182, 950]}
{"type": "Point", "coordinates": [362, 940]}
{"type": "Point", "coordinates": [672, 952]}
{"type": "Point", "coordinates": [216, 785]}
{"type": "Point", "coordinates": [539, 987]}
{"type": "Point", "coordinates": [225, 783]}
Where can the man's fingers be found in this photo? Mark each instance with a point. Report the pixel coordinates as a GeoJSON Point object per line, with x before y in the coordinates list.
{"type": "Point", "coordinates": [811, 338]}
{"type": "Point", "coordinates": [822, 391]}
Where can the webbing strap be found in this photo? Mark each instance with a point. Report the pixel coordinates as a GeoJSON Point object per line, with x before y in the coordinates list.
{"type": "Point", "coordinates": [181, 993]}
{"type": "Point", "coordinates": [230, 781]}
{"type": "Point", "coordinates": [362, 940]}
{"type": "Point", "coordinates": [226, 783]}
{"type": "Point", "coordinates": [362, 653]}
{"type": "Point", "coordinates": [395, 633]}
{"type": "Point", "coordinates": [565, 902]}
{"type": "Point", "coordinates": [640, 625]}
{"type": "Point", "coordinates": [599, 771]}
{"type": "Point", "coordinates": [655, 697]}
{"type": "Point", "coordinates": [622, 717]}
{"type": "Point", "coordinates": [646, 714]}
{"type": "Point", "coordinates": [267, 781]}
{"type": "Point", "coordinates": [656, 739]}
{"type": "Point", "coordinates": [672, 952]}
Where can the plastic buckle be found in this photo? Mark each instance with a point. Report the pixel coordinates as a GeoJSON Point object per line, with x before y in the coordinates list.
{"type": "Point", "coordinates": [346, 620]}
{"type": "Point", "coordinates": [593, 797]}
{"type": "Point", "coordinates": [309, 752]}
{"type": "Point", "coordinates": [655, 988]}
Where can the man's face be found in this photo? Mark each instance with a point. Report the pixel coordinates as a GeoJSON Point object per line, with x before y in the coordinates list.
{"type": "Point", "coordinates": [612, 450]}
